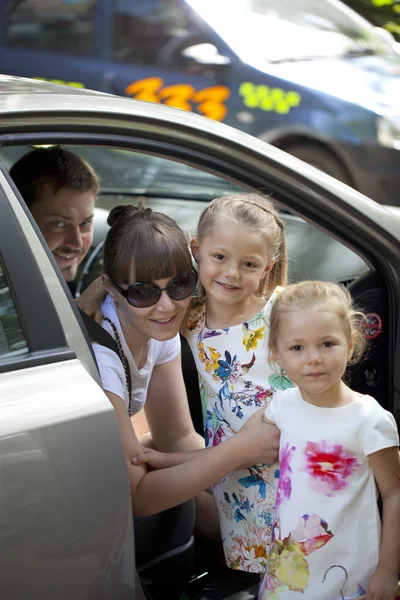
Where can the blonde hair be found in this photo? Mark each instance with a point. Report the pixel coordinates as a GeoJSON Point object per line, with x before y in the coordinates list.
{"type": "Point", "coordinates": [256, 212]}
{"type": "Point", "coordinates": [306, 293]}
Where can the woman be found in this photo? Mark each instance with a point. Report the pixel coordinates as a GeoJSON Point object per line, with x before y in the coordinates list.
{"type": "Point", "coordinates": [149, 280]}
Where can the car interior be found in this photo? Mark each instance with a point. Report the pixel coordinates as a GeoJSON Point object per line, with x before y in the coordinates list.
{"type": "Point", "coordinates": [195, 567]}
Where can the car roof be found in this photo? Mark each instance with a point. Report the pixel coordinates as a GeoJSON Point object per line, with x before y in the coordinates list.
{"type": "Point", "coordinates": [30, 102]}
{"type": "Point", "coordinates": [10, 85]}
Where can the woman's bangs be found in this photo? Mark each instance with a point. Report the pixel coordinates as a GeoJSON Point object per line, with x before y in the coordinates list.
{"type": "Point", "coordinates": [154, 258]}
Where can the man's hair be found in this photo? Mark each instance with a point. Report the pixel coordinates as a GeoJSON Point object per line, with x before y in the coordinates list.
{"type": "Point", "coordinates": [55, 166]}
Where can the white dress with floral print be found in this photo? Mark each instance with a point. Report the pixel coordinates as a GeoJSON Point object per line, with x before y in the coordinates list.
{"type": "Point", "coordinates": [236, 380]}
{"type": "Point", "coordinates": [327, 527]}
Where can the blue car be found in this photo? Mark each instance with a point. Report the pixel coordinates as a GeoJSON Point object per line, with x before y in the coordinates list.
{"type": "Point", "coordinates": [309, 76]}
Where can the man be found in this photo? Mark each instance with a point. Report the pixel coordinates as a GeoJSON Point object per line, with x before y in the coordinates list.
{"type": "Point", "coordinates": [60, 189]}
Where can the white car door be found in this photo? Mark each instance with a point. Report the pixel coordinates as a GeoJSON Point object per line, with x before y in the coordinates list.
{"type": "Point", "coordinates": [65, 508]}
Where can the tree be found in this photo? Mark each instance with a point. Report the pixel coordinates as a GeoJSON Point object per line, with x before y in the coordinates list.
{"type": "Point", "coordinates": [382, 13]}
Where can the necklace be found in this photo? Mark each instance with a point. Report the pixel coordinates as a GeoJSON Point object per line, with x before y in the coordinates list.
{"type": "Point", "coordinates": [124, 362]}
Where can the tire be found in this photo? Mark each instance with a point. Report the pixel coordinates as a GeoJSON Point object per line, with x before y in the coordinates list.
{"type": "Point", "coordinates": [322, 159]}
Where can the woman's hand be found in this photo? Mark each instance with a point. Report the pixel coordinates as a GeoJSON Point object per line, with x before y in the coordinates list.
{"type": "Point", "coordinates": [259, 441]}
{"type": "Point", "coordinates": [90, 300]}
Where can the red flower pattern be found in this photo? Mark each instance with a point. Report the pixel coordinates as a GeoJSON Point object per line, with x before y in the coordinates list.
{"type": "Point", "coordinates": [329, 467]}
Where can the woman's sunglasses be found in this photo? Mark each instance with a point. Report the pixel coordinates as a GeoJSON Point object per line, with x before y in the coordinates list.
{"type": "Point", "coordinates": [143, 295]}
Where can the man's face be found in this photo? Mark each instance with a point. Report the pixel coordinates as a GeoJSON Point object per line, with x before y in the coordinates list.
{"type": "Point", "coordinates": [66, 222]}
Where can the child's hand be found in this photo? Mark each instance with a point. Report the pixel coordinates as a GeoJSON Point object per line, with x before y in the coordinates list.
{"type": "Point", "coordinates": [382, 585]}
{"type": "Point", "coordinates": [153, 459]}
{"type": "Point", "coordinates": [90, 300]}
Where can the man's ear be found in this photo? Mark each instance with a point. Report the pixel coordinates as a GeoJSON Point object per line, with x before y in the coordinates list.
{"type": "Point", "coordinates": [194, 247]}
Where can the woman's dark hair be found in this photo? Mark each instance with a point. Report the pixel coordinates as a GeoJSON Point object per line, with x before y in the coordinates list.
{"type": "Point", "coordinates": [144, 245]}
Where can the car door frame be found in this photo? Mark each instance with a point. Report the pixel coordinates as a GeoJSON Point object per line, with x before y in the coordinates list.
{"type": "Point", "coordinates": [43, 322]}
{"type": "Point", "coordinates": [46, 338]}
{"type": "Point", "coordinates": [243, 160]}
{"type": "Point", "coordinates": [42, 329]}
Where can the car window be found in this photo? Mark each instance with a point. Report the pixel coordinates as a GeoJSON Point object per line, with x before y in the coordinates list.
{"type": "Point", "coordinates": [51, 25]}
{"type": "Point", "coordinates": [147, 31]}
{"type": "Point", "coordinates": [12, 339]}
{"type": "Point", "coordinates": [183, 192]}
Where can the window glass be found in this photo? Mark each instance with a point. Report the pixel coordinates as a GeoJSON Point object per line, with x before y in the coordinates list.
{"type": "Point", "coordinates": [148, 31]}
{"type": "Point", "coordinates": [65, 26]}
{"type": "Point", "coordinates": [12, 339]}
{"type": "Point", "coordinates": [182, 192]}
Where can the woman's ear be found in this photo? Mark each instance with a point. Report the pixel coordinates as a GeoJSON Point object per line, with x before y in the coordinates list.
{"type": "Point", "coordinates": [194, 247]}
{"type": "Point", "coordinates": [109, 287]}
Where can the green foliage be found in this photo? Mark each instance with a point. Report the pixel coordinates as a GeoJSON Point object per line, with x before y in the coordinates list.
{"type": "Point", "coordinates": [382, 13]}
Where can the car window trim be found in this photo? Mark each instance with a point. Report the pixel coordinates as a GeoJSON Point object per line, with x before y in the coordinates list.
{"type": "Point", "coordinates": [216, 166]}
{"type": "Point", "coordinates": [41, 328]}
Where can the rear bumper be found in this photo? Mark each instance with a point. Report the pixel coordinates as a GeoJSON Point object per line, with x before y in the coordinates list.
{"type": "Point", "coordinates": [375, 171]}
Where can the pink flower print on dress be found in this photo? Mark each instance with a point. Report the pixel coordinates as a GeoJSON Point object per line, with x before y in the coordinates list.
{"type": "Point", "coordinates": [285, 480]}
{"type": "Point", "coordinates": [329, 467]}
{"type": "Point", "coordinates": [262, 395]}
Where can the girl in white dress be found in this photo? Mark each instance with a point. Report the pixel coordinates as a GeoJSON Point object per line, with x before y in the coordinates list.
{"type": "Point", "coordinates": [336, 448]}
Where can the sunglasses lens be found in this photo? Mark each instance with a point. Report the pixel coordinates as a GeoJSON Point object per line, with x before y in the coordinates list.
{"type": "Point", "coordinates": [182, 286]}
{"type": "Point", "coordinates": [143, 295]}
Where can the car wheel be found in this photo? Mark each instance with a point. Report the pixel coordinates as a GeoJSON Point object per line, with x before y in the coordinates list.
{"type": "Point", "coordinates": [322, 159]}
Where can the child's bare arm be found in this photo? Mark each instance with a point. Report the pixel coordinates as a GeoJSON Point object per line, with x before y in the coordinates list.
{"type": "Point", "coordinates": [386, 468]}
{"type": "Point", "coordinates": [266, 420]}
{"type": "Point", "coordinates": [162, 460]}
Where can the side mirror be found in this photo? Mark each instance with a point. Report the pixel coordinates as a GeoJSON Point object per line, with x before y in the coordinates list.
{"type": "Point", "coordinates": [205, 54]}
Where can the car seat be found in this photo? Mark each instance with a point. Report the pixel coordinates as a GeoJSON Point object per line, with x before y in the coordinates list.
{"type": "Point", "coordinates": [164, 549]}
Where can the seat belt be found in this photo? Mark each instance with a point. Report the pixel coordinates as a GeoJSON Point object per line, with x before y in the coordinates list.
{"type": "Point", "coordinates": [100, 336]}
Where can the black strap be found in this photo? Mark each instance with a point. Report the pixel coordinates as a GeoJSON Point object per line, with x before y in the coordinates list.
{"type": "Point", "coordinates": [100, 336]}
{"type": "Point", "coordinates": [97, 334]}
